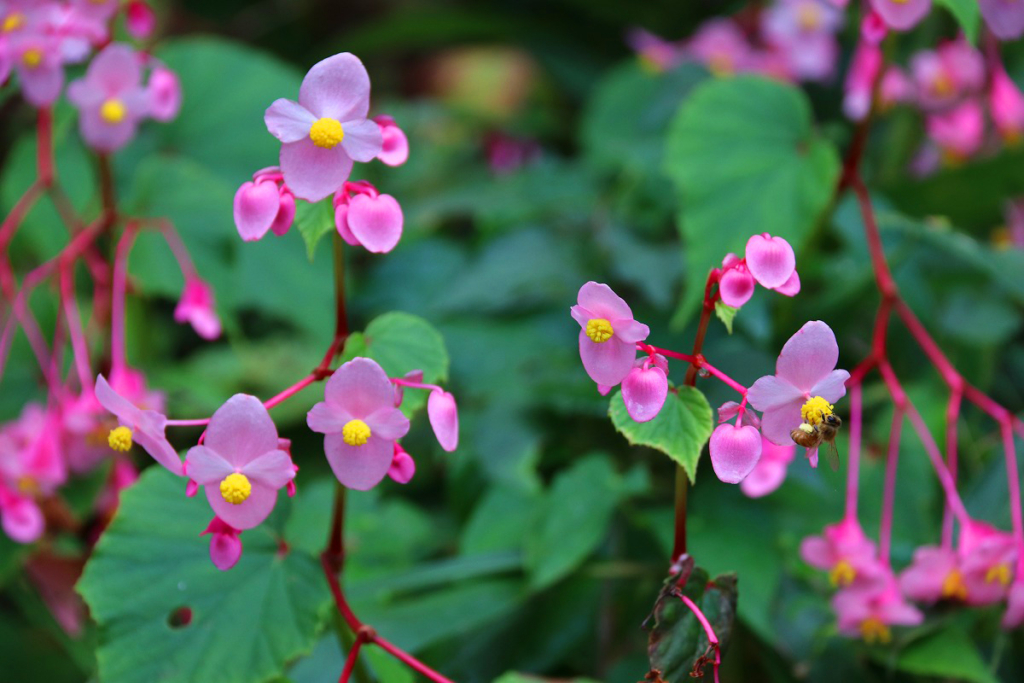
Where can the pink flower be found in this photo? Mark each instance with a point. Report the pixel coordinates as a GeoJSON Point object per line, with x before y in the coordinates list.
{"type": "Point", "coordinates": [959, 132]}
{"type": "Point", "coordinates": [987, 559]}
{"type": "Point", "coordinates": [100, 10]}
{"type": "Point", "coordinates": [1014, 615]}
{"type": "Point", "coordinates": [20, 517]}
{"type": "Point", "coordinates": [361, 423]}
{"type": "Point", "coordinates": [735, 451]}
{"type": "Point", "coordinates": [933, 575]}
{"type": "Point", "coordinates": [264, 204]}
{"type": "Point", "coordinates": [196, 307]}
{"type": "Point", "coordinates": [770, 471]}
{"type": "Point", "coordinates": [655, 52]}
{"type": "Point", "coordinates": [403, 467]}
{"type": "Point", "coordinates": [736, 285]}
{"type": "Point", "coordinates": [38, 62]}
{"type": "Point", "coordinates": [870, 612]}
{"type": "Point", "coordinates": [32, 461]}
{"type": "Point", "coordinates": [772, 263]}
{"type": "Point", "coordinates": [327, 129]}
{"type": "Point", "coordinates": [943, 77]}
{"type": "Point", "coordinates": [164, 91]}
{"type": "Point", "coordinates": [873, 28]}
{"type": "Point", "coordinates": [368, 219]}
{"type": "Point", "coordinates": [395, 146]}
{"type": "Point", "coordinates": [804, 385]}
{"type": "Point", "coordinates": [645, 388]}
{"type": "Point", "coordinates": [803, 30]}
{"type": "Point", "coordinates": [444, 419]}
{"type": "Point", "coordinates": [1006, 104]}
{"type": "Point", "coordinates": [240, 463]}
{"type": "Point", "coordinates": [720, 45]}
{"type": "Point", "coordinates": [896, 87]}
{"type": "Point", "coordinates": [110, 99]}
{"type": "Point", "coordinates": [847, 554]}
{"type": "Point", "coordinates": [225, 544]}
{"type": "Point", "coordinates": [902, 14]}
{"type": "Point", "coordinates": [608, 333]}
{"type": "Point", "coordinates": [145, 427]}
{"type": "Point", "coordinates": [1005, 18]}
{"type": "Point", "coordinates": [139, 19]}
{"type": "Point", "coordinates": [860, 80]}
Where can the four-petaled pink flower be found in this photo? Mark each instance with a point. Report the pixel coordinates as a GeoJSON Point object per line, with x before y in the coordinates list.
{"type": "Point", "coordinates": [110, 99]}
{"type": "Point", "coordinates": [327, 129]}
{"type": "Point", "coordinates": [870, 611]}
{"type": "Point", "coordinates": [846, 553]}
{"type": "Point", "coordinates": [361, 423]}
{"type": "Point", "coordinates": [196, 307]}
{"type": "Point", "coordinates": [146, 427]}
{"type": "Point", "coordinates": [240, 463]}
{"type": "Point", "coordinates": [609, 333]}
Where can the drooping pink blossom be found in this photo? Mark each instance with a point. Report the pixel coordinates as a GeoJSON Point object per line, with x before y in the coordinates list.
{"type": "Point", "coordinates": [845, 552]}
{"type": "Point", "coordinates": [256, 206]}
{"type": "Point", "coordinates": [1005, 18]}
{"type": "Point", "coordinates": [32, 461]}
{"type": "Point", "coordinates": [959, 132]}
{"type": "Point", "coordinates": [373, 221]}
{"type": "Point", "coordinates": [735, 451]}
{"type": "Point", "coordinates": [394, 144]}
{"type": "Point", "coordinates": [444, 419]}
{"type": "Point", "coordinates": [860, 80]}
{"type": "Point", "coordinates": [805, 370]}
{"type": "Point", "coordinates": [145, 427]}
{"type": "Point", "coordinates": [403, 467]}
{"type": "Point", "coordinates": [20, 517]}
{"type": "Point", "coordinates": [140, 20]}
{"type": "Point", "coordinates": [164, 91]}
{"type": "Point", "coordinates": [225, 544]}
{"type": "Point", "coordinates": [902, 15]}
{"type": "Point", "coordinates": [1006, 105]}
{"type": "Point", "coordinates": [770, 471]}
{"type": "Point", "coordinates": [645, 388]}
{"type": "Point", "coordinates": [360, 422]}
{"type": "Point", "coordinates": [196, 307]}
{"type": "Point", "coordinates": [608, 333]}
{"type": "Point", "coordinates": [770, 260]}
{"type": "Point", "coordinates": [988, 557]}
{"type": "Point", "coordinates": [327, 129]}
{"type": "Point", "coordinates": [110, 98]}
{"type": "Point", "coordinates": [240, 464]}
{"type": "Point", "coordinates": [945, 76]}
{"type": "Point", "coordinates": [736, 285]}
{"type": "Point", "coordinates": [870, 612]}
{"type": "Point", "coordinates": [933, 575]}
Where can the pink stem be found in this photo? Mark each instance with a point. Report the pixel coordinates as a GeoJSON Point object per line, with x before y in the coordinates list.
{"type": "Point", "coordinates": [414, 385]}
{"type": "Point", "coordinates": [13, 220]}
{"type": "Point", "coordinates": [411, 661]}
{"type": "Point", "coordinates": [889, 495]}
{"type": "Point", "coordinates": [188, 423]}
{"type": "Point", "coordinates": [853, 466]}
{"type": "Point", "coordinates": [1013, 481]}
{"type": "Point", "coordinates": [188, 268]}
{"type": "Point", "coordinates": [290, 391]}
{"type": "Point", "coordinates": [710, 632]}
{"type": "Point", "coordinates": [728, 381]}
{"type": "Point", "coordinates": [350, 661]}
{"type": "Point", "coordinates": [647, 348]}
{"type": "Point", "coordinates": [79, 347]}
{"type": "Point", "coordinates": [118, 357]}
{"type": "Point", "coordinates": [952, 417]}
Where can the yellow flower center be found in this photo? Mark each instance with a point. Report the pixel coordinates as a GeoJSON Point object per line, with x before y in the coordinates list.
{"type": "Point", "coordinates": [28, 485]}
{"type": "Point", "coordinates": [599, 330]}
{"type": "Point", "coordinates": [32, 57]}
{"type": "Point", "coordinates": [874, 630]}
{"type": "Point", "coordinates": [326, 133]}
{"type": "Point", "coordinates": [808, 17]}
{"type": "Point", "coordinates": [355, 432]}
{"type": "Point", "coordinates": [235, 488]}
{"type": "Point", "coordinates": [953, 587]}
{"type": "Point", "coordinates": [13, 21]}
{"type": "Point", "coordinates": [1000, 573]}
{"type": "Point", "coordinates": [120, 439]}
{"type": "Point", "coordinates": [112, 111]}
{"type": "Point", "coordinates": [815, 410]}
{"type": "Point", "coordinates": [842, 574]}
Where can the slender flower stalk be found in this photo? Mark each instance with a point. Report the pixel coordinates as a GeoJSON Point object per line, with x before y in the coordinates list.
{"type": "Point", "coordinates": [889, 495]}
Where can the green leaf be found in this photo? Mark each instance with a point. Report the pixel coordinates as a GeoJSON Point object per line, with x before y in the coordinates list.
{"type": "Point", "coordinates": [313, 221]}
{"type": "Point", "coordinates": [402, 342]}
{"type": "Point", "coordinates": [727, 314]}
{"type": "Point", "coordinates": [247, 623]}
{"type": "Point", "coordinates": [947, 654]}
{"type": "Point", "coordinates": [967, 14]}
{"type": "Point", "coordinates": [573, 520]}
{"type": "Point", "coordinates": [679, 431]}
{"type": "Point", "coordinates": [746, 159]}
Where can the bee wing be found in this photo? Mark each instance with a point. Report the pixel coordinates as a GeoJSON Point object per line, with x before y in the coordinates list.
{"type": "Point", "coordinates": [833, 456]}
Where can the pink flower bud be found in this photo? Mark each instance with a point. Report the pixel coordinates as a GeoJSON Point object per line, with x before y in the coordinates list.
{"type": "Point", "coordinates": [444, 419]}
{"type": "Point", "coordinates": [736, 287]}
{"type": "Point", "coordinates": [196, 307]}
{"type": "Point", "coordinates": [225, 544]}
{"type": "Point", "coordinates": [21, 518]}
{"type": "Point", "coordinates": [873, 28]}
{"type": "Point", "coordinates": [341, 223]}
{"type": "Point", "coordinates": [285, 214]}
{"type": "Point", "coordinates": [790, 287]}
{"type": "Point", "coordinates": [734, 452]}
{"type": "Point", "coordinates": [644, 391]}
{"type": "Point", "coordinates": [395, 150]}
{"type": "Point", "coordinates": [959, 132]}
{"type": "Point", "coordinates": [375, 222]}
{"type": "Point", "coordinates": [1006, 104]}
{"type": "Point", "coordinates": [140, 19]}
{"type": "Point", "coordinates": [770, 260]}
{"type": "Point", "coordinates": [164, 90]}
{"type": "Point", "coordinates": [256, 207]}
{"type": "Point", "coordinates": [403, 467]}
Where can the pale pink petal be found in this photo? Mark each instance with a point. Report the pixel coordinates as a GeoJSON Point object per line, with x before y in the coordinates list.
{"type": "Point", "coordinates": [362, 140]}
{"type": "Point", "coordinates": [256, 205]}
{"type": "Point", "coordinates": [206, 466]}
{"type": "Point", "coordinates": [1014, 615]}
{"type": "Point", "coordinates": [359, 467]}
{"type": "Point", "coordinates": [273, 469]}
{"type": "Point", "coordinates": [644, 392]}
{"type": "Point", "coordinates": [902, 14]}
{"type": "Point", "coordinates": [601, 302]}
{"type": "Point", "coordinates": [765, 478]}
{"type": "Point", "coordinates": [604, 389]}
{"type": "Point", "coordinates": [103, 136]}
{"type": "Point", "coordinates": [772, 392]}
{"type": "Point", "coordinates": [444, 419]}
{"type": "Point", "coordinates": [341, 223]}
{"type": "Point", "coordinates": [164, 90]}
{"type": "Point", "coordinates": [812, 456]}
{"type": "Point", "coordinates": [225, 550]}
{"type": "Point", "coordinates": [1005, 18]}
{"type": "Point", "coordinates": [395, 146]}
{"type": "Point", "coordinates": [288, 121]}
{"type": "Point", "coordinates": [22, 520]}
{"type": "Point", "coordinates": [832, 387]}
{"type": "Point", "coordinates": [388, 423]}
{"type": "Point", "coordinates": [809, 356]}
{"type": "Point", "coordinates": [403, 467]}
{"type": "Point", "coordinates": [313, 173]}
{"type": "Point", "coordinates": [122, 408]}
{"type": "Point", "coordinates": [327, 419]}
{"type": "Point", "coordinates": [630, 331]}
{"type": "Point", "coordinates": [734, 452]}
{"type": "Point", "coordinates": [247, 514]}
{"type": "Point", "coordinates": [361, 387]}
{"type": "Point", "coordinates": [338, 88]}
{"type": "Point", "coordinates": [41, 85]}
{"type": "Point", "coordinates": [770, 260]}
{"type": "Point", "coordinates": [924, 578]}
{"type": "Point", "coordinates": [736, 287]}
{"type": "Point", "coordinates": [115, 68]}
{"type": "Point", "coordinates": [376, 222]}
{"type": "Point", "coordinates": [156, 444]}
{"type": "Point", "coordinates": [790, 287]}
{"type": "Point", "coordinates": [607, 362]}
{"type": "Point", "coordinates": [818, 552]}
{"type": "Point", "coordinates": [285, 215]}
{"type": "Point", "coordinates": [777, 423]}
{"type": "Point", "coordinates": [241, 430]}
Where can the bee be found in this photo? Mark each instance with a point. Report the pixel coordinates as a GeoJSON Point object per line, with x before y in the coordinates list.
{"type": "Point", "coordinates": [812, 436]}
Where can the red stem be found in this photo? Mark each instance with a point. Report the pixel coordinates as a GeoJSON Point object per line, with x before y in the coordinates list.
{"type": "Point", "coordinates": [853, 466]}
{"type": "Point", "coordinates": [889, 495]}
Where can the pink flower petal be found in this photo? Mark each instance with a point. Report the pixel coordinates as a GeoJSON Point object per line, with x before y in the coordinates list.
{"type": "Point", "coordinates": [809, 356]}
{"type": "Point", "coordinates": [644, 392]}
{"type": "Point", "coordinates": [273, 469]}
{"type": "Point", "coordinates": [285, 215]}
{"type": "Point", "coordinates": [734, 452]}
{"type": "Point", "coordinates": [790, 287]}
{"type": "Point", "coordinates": [770, 392]}
{"type": "Point", "coordinates": [1005, 18]}
{"type": "Point", "coordinates": [599, 301]}
{"type": "Point", "coordinates": [770, 260]}
{"type": "Point", "coordinates": [247, 514]}
{"type": "Point", "coordinates": [777, 423]}
{"type": "Point", "coordinates": [288, 121]}
{"type": "Point", "coordinates": [22, 520]}
{"type": "Point", "coordinates": [388, 423]}
{"type": "Point", "coordinates": [241, 430]}
{"type": "Point", "coordinates": [444, 419]}
{"type": "Point", "coordinates": [115, 68]}
{"type": "Point", "coordinates": [630, 331]}
{"type": "Point", "coordinates": [140, 20]}
{"type": "Point", "coordinates": [376, 222]}
{"type": "Point", "coordinates": [341, 223]}
{"type": "Point", "coordinates": [1014, 615]}
{"type": "Point", "coordinates": [363, 140]}
{"type": "Point", "coordinates": [338, 88]}
{"type": "Point", "coordinates": [607, 362]}
{"type": "Point", "coordinates": [164, 90]}
{"type": "Point", "coordinates": [395, 146]}
{"type": "Point", "coordinates": [765, 478]}
{"type": "Point", "coordinates": [736, 287]}
{"type": "Point", "coordinates": [902, 14]}
{"type": "Point", "coordinates": [403, 467]}
{"type": "Point", "coordinates": [361, 387]}
{"type": "Point", "coordinates": [314, 173]}
{"type": "Point", "coordinates": [326, 419]}
{"type": "Point", "coordinates": [225, 550]}
{"type": "Point", "coordinates": [256, 206]}
{"type": "Point", "coordinates": [818, 552]}
{"type": "Point", "coordinates": [359, 467]}
{"type": "Point", "coordinates": [832, 387]}
{"type": "Point", "coordinates": [205, 466]}
{"type": "Point", "coordinates": [923, 580]}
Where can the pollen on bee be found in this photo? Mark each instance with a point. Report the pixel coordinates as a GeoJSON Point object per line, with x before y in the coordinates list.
{"type": "Point", "coordinates": [806, 428]}
{"type": "Point", "coordinates": [815, 409]}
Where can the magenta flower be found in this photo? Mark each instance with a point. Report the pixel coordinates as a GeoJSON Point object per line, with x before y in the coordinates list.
{"type": "Point", "coordinates": [902, 14]}
{"type": "Point", "coordinates": [645, 388]}
{"type": "Point", "coordinates": [444, 419]}
{"type": "Point", "coordinates": [361, 423]}
{"type": "Point", "coordinates": [770, 471]}
{"type": "Point", "coordinates": [240, 463]}
{"type": "Point", "coordinates": [845, 552]}
{"type": "Point", "coordinates": [196, 307]}
{"type": "Point", "coordinates": [225, 544]}
{"type": "Point", "coordinates": [20, 516]}
{"type": "Point", "coordinates": [804, 32]}
{"type": "Point", "coordinates": [609, 333]}
{"type": "Point", "coordinates": [110, 99]}
{"type": "Point", "coordinates": [735, 451]}
{"type": "Point", "coordinates": [32, 460]}
{"type": "Point", "coordinates": [987, 560]}
{"type": "Point", "coordinates": [1005, 18]}
{"type": "Point", "coordinates": [403, 467]}
{"type": "Point", "coordinates": [959, 132]}
{"type": "Point", "coordinates": [264, 204]}
{"type": "Point", "coordinates": [37, 59]}
{"type": "Point", "coordinates": [395, 145]}
{"type": "Point", "coordinates": [327, 129]}
{"type": "Point", "coordinates": [933, 575]}
{"type": "Point", "coordinates": [164, 92]}
{"type": "Point", "coordinates": [1006, 104]}
{"type": "Point", "coordinates": [943, 77]}
{"type": "Point", "coordinates": [370, 220]}
{"type": "Point", "coordinates": [140, 20]}
{"type": "Point", "coordinates": [804, 386]}
{"type": "Point", "coordinates": [721, 46]}
{"type": "Point", "coordinates": [870, 612]}
{"type": "Point", "coordinates": [145, 427]}
{"type": "Point", "coordinates": [860, 80]}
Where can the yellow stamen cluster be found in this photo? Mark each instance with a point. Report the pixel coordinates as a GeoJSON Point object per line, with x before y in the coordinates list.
{"type": "Point", "coordinates": [120, 439]}
{"type": "Point", "coordinates": [13, 21]}
{"type": "Point", "coordinates": [842, 574]}
{"type": "Point", "coordinates": [1000, 573]}
{"type": "Point", "coordinates": [599, 330]}
{"type": "Point", "coordinates": [355, 432]}
{"type": "Point", "coordinates": [32, 57]}
{"type": "Point", "coordinates": [953, 587]}
{"type": "Point", "coordinates": [28, 485]}
{"type": "Point", "coordinates": [874, 630]}
{"type": "Point", "coordinates": [235, 488]}
{"type": "Point", "coordinates": [326, 133]}
{"type": "Point", "coordinates": [808, 17]}
{"type": "Point", "coordinates": [814, 411]}
{"type": "Point", "coordinates": [113, 111]}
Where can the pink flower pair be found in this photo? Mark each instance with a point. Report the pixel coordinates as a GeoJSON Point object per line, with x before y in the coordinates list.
{"type": "Point", "coordinates": [264, 204]}
{"type": "Point", "coordinates": [768, 261]}
{"type": "Point", "coordinates": [366, 218]}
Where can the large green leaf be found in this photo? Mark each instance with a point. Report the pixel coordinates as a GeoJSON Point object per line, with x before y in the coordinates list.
{"type": "Point", "coordinates": [746, 160]}
{"type": "Point", "coordinates": [313, 221]}
{"type": "Point", "coordinates": [948, 654]}
{"type": "Point", "coordinates": [679, 431]}
{"type": "Point", "coordinates": [246, 624]}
